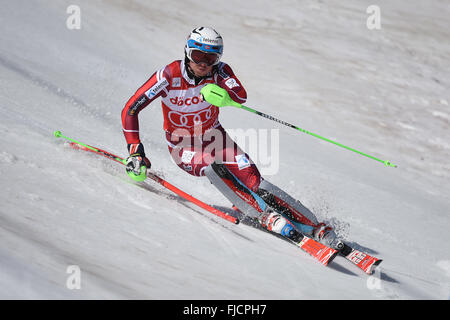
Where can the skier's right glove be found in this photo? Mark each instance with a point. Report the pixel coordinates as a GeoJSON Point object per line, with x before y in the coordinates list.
{"type": "Point", "coordinates": [137, 163]}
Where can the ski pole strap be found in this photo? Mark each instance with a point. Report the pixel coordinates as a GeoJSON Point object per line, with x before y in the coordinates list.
{"type": "Point", "coordinates": [219, 97]}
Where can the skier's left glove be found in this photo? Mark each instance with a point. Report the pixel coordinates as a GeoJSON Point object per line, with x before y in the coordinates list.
{"type": "Point", "coordinates": [137, 163]}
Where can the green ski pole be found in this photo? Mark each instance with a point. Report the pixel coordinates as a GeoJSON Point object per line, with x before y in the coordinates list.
{"type": "Point", "coordinates": [219, 97]}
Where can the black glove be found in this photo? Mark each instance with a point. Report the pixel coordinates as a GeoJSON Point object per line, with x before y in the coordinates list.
{"type": "Point", "coordinates": [137, 159]}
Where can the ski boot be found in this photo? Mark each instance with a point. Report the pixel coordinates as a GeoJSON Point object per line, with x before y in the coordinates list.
{"type": "Point", "coordinates": [276, 223]}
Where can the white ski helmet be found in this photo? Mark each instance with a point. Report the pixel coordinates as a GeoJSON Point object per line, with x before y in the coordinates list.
{"type": "Point", "coordinates": [206, 40]}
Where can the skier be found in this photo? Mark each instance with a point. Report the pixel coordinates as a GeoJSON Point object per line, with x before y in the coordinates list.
{"type": "Point", "coordinates": [199, 144]}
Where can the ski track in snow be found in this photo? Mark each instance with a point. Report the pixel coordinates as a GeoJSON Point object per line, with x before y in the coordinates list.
{"type": "Point", "coordinates": [316, 65]}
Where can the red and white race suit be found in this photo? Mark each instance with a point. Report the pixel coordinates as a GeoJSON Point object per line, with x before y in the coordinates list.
{"type": "Point", "coordinates": [193, 131]}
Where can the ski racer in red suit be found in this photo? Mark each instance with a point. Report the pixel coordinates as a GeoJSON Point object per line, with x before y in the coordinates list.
{"type": "Point", "coordinates": [199, 144]}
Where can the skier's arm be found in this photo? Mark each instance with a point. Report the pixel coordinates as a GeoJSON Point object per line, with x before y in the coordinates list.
{"type": "Point", "coordinates": [149, 91]}
{"type": "Point", "coordinates": [228, 80]}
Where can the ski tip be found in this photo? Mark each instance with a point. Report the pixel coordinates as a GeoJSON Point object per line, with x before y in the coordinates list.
{"type": "Point", "coordinates": [237, 221]}
{"type": "Point", "coordinates": [57, 133]}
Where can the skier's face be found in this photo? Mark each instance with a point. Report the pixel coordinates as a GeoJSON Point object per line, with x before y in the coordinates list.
{"type": "Point", "coordinates": [200, 69]}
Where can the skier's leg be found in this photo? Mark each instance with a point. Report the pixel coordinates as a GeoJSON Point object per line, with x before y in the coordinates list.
{"type": "Point", "coordinates": [233, 172]}
{"type": "Point", "coordinates": [198, 163]}
{"type": "Point", "coordinates": [247, 201]}
{"type": "Point", "coordinates": [291, 208]}
{"type": "Point", "coordinates": [198, 160]}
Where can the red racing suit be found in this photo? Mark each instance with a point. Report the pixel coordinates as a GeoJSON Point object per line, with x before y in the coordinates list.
{"type": "Point", "coordinates": [189, 118]}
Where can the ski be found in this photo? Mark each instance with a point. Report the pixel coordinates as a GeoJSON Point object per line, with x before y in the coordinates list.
{"type": "Point", "coordinates": [317, 250]}
{"type": "Point", "coordinates": [325, 254]}
{"type": "Point", "coordinates": [362, 260]}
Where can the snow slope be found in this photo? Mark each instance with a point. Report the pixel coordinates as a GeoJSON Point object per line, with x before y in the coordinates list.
{"type": "Point", "coordinates": [312, 63]}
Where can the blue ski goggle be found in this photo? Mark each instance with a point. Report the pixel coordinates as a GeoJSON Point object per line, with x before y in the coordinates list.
{"type": "Point", "coordinates": [204, 47]}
